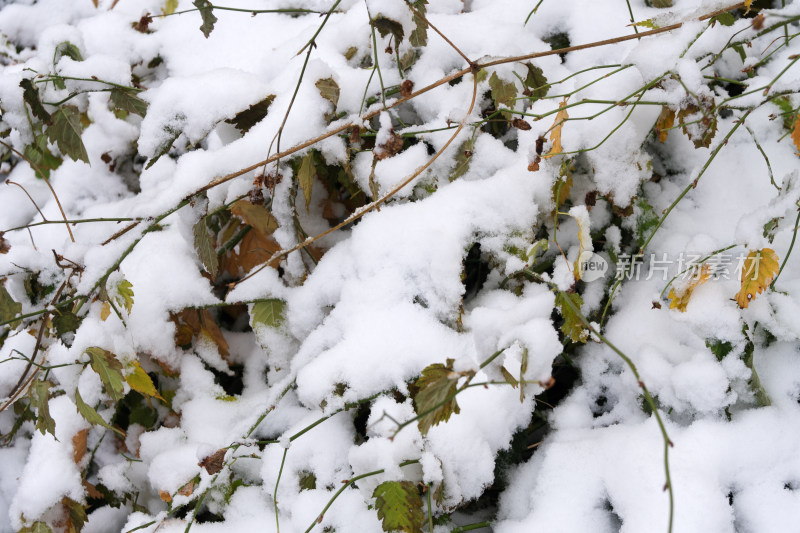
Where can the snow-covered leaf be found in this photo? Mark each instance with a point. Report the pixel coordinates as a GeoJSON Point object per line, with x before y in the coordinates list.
{"type": "Point", "coordinates": [126, 100]}
{"type": "Point", "coordinates": [269, 312]}
{"type": "Point", "coordinates": [244, 120]}
{"type": "Point", "coordinates": [680, 299]}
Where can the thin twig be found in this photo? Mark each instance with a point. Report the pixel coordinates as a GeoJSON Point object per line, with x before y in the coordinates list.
{"type": "Point", "coordinates": [42, 175]}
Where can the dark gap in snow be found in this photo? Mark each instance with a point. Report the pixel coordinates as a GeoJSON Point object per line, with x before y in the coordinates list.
{"type": "Point", "coordinates": [360, 421]}
{"type": "Point", "coordinates": [232, 384]}
{"type": "Point", "coordinates": [474, 273]}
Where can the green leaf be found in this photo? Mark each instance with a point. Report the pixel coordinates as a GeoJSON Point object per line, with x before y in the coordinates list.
{"type": "Point", "coordinates": [535, 82]}
{"type": "Point", "coordinates": [207, 14]}
{"type": "Point", "coordinates": [126, 100]}
{"type": "Point", "coordinates": [40, 395]}
{"type": "Point", "coordinates": [171, 133]}
{"type": "Point", "coordinates": [108, 367]}
{"type": "Point", "coordinates": [244, 120]}
{"type": "Point", "coordinates": [399, 506]}
{"type": "Point", "coordinates": [463, 158]}
{"type": "Point", "coordinates": [77, 514]}
{"type": "Point", "coordinates": [503, 92]}
{"type": "Point", "coordinates": [329, 90]}
{"type": "Point", "coordinates": [510, 379]}
{"type": "Point", "coordinates": [66, 322]}
{"type": "Point", "coordinates": [40, 155]}
{"type": "Point", "coordinates": [141, 382]}
{"type": "Point", "coordinates": [37, 527]}
{"type": "Point", "coordinates": [170, 7]}
{"type": "Point", "coordinates": [8, 307]}
{"type": "Point", "coordinates": [125, 294]}
{"type": "Point", "coordinates": [68, 49]}
{"type": "Point", "coordinates": [646, 24]}
{"type": "Point", "coordinates": [435, 399]}
{"type": "Point", "coordinates": [205, 247]}
{"type": "Point", "coordinates": [761, 396]}
{"type": "Point", "coordinates": [572, 326]}
{"type": "Point", "coordinates": [66, 133]}
{"type": "Point", "coordinates": [31, 96]}
{"type": "Point", "coordinates": [726, 19]}
{"type": "Point", "coordinates": [305, 177]}
{"type": "Point", "coordinates": [385, 26]}
{"type": "Point", "coordinates": [308, 481]}
{"type": "Point", "coordinates": [719, 348]}
{"type": "Point", "coordinates": [771, 227]}
{"type": "Point", "coordinates": [269, 312]}
{"type": "Point", "coordinates": [419, 36]}
{"type": "Point", "coordinates": [92, 416]}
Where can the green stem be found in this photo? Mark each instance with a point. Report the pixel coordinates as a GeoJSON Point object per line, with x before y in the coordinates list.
{"type": "Point", "coordinates": [788, 252]}
{"type": "Point", "coordinates": [348, 484]}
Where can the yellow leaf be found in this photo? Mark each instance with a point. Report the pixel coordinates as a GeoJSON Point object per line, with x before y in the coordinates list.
{"type": "Point", "coordinates": [759, 269]}
{"type": "Point", "coordinates": [796, 134]}
{"type": "Point", "coordinates": [141, 382]}
{"type": "Point", "coordinates": [555, 130]}
{"type": "Point", "coordinates": [746, 11]}
{"type": "Point", "coordinates": [170, 7]}
{"type": "Point", "coordinates": [680, 299]}
{"type": "Point", "coordinates": [105, 311]}
{"type": "Point", "coordinates": [665, 121]}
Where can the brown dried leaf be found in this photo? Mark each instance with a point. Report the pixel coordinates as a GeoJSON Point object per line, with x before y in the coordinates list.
{"type": "Point", "coordinates": [406, 88]}
{"type": "Point", "coordinates": [187, 489]}
{"type": "Point", "coordinates": [521, 124]}
{"type": "Point", "coordinates": [256, 216]}
{"type": "Point", "coordinates": [665, 121]}
{"type": "Point", "coordinates": [4, 246]}
{"type": "Point", "coordinates": [796, 134]}
{"type": "Point", "coordinates": [214, 462]}
{"type": "Point", "coordinates": [211, 331]}
{"type": "Point", "coordinates": [390, 147]}
{"type": "Point", "coordinates": [79, 445]}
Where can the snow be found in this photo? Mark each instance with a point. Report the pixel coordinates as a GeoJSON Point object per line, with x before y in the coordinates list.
{"type": "Point", "coordinates": [324, 389]}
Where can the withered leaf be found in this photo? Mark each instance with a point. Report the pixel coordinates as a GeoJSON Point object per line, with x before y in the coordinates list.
{"type": "Point", "coordinates": [214, 462]}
